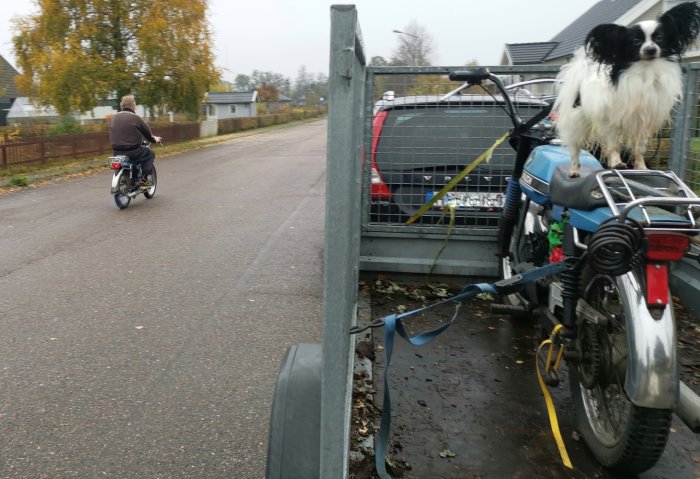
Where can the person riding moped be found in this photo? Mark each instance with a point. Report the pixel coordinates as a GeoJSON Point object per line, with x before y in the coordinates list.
{"type": "Point", "coordinates": [127, 131]}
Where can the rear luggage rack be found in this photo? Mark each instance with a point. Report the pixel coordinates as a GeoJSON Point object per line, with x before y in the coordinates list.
{"type": "Point", "coordinates": [658, 200]}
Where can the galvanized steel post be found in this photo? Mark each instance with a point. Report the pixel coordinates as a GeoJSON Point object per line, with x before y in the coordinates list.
{"type": "Point", "coordinates": [342, 235]}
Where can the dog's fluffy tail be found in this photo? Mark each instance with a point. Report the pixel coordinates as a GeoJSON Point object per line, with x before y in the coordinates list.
{"type": "Point", "coordinates": [571, 123]}
{"type": "Point", "coordinates": [571, 78]}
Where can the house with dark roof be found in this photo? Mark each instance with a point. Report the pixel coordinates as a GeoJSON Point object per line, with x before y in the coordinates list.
{"type": "Point", "coordinates": [561, 48]}
{"type": "Point", "coordinates": [8, 89]}
{"type": "Point", "coordinates": [220, 105]}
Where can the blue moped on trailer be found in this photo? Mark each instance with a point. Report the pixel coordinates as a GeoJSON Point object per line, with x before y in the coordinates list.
{"type": "Point", "coordinates": [618, 232]}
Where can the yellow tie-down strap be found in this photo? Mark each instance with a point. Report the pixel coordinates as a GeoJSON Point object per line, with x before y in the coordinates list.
{"type": "Point", "coordinates": [484, 156]}
{"type": "Point", "coordinates": [547, 397]}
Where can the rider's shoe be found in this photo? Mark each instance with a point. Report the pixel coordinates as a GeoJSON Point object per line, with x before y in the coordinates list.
{"type": "Point", "coordinates": [146, 183]}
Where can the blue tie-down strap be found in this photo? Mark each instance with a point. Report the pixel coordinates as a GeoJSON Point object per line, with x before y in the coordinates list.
{"type": "Point", "coordinates": [392, 323]}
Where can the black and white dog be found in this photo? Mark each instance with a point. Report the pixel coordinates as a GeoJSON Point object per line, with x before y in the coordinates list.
{"type": "Point", "coordinates": [620, 87]}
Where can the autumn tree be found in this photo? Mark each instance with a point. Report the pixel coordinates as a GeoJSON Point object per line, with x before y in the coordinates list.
{"type": "Point", "coordinates": [309, 87]}
{"type": "Point", "coordinates": [243, 83]}
{"type": "Point", "coordinates": [75, 53]}
{"type": "Point", "coordinates": [268, 93]}
{"type": "Point", "coordinates": [415, 48]}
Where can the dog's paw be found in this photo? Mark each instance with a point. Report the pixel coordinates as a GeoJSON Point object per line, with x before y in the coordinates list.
{"type": "Point", "coordinates": [620, 166]}
{"type": "Point", "coordinates": [574, 172]}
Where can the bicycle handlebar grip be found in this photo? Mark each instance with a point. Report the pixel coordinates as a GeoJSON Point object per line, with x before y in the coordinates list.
{"type": "Point", "coordinates": [472, 75]}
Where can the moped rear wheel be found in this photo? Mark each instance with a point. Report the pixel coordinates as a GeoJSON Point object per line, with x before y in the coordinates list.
{"type": "Point", "coordinates": [121, 197]}
{"type": "Point", "coordinates": [623, 437]}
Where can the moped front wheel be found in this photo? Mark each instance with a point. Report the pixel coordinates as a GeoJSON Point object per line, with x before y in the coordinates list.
{"type": "Point", "coordinates": [151, 192]}
{"type": "Point", "coordinates": [622, 437]}
{"type": "Point", "coordinates": [121, 197]}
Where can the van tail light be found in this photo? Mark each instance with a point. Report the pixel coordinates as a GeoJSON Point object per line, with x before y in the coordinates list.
{"type": "Point", "coordinates": [378, 188]}
{"type": "Point", "coordinates": [666, 246]}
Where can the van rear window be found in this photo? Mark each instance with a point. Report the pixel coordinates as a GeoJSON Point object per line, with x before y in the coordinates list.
{"type": "Point", "coordinates": [451, 135]}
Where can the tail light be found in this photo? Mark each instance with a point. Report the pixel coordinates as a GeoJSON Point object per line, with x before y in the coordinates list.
{"type": "Point", "coordinates": [378, 189]}
{"type": "Point", "coordinates": [115, 165]}
{"type": "Point", "coordinates": [662, 248]}
{"type": "Point", "coordinates": [666, 247]}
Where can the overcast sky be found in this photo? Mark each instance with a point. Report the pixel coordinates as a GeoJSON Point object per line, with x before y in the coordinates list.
{"type": "Point", "coordinates": [282, 35]}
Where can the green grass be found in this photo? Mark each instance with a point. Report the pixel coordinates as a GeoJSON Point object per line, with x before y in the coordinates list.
{"type": "Point", "coordinates": [19, 180]}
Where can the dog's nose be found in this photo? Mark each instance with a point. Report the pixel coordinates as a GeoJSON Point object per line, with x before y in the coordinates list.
{"type": "Point", "coordinates": [650, 52]}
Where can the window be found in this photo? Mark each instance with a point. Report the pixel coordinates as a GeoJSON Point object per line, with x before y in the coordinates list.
{"type": "Point", "coordinates": [233, 108]}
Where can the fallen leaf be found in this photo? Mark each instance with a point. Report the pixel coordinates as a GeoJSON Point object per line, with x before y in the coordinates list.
{"type": "Point", "coordinates": [447, 453]}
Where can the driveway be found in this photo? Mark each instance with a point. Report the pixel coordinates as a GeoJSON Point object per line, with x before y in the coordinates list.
{"type": "Point", "coordinates": [468, 405]}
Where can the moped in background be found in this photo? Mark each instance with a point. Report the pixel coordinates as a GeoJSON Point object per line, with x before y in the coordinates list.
{"type": "Point", "coordinates": [127, 179]}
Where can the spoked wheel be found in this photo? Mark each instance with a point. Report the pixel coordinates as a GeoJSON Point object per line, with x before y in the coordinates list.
{"type": "Point", "coordinates": [121, 197]}
{"type": "Point", "coordinates": [151, 192]}
{"type": "Point", "coordinates": [623, 437]}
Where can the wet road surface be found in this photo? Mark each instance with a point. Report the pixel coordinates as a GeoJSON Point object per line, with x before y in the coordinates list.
{"type": "Point", "coordinates": [145, 343]}
{"type": "Point", "coordinates": [473, 392]}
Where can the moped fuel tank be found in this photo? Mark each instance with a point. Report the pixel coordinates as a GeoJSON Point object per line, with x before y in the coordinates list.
{"type": "Point", "coordinates": [540, 166]}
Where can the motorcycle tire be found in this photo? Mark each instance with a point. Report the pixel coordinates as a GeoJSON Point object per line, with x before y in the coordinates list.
{"type": "Point", "coordinates": [121, 197]}
{"type": "Point", "coordinates": [151, 192]}
{"type": "Point", "coordinates": [623, 437]}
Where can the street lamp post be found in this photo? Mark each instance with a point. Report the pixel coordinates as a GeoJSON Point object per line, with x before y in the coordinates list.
{"type": "Point", "coordinates": [404, 33]}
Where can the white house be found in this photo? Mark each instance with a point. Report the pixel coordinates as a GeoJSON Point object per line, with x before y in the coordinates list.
{"type": "Point", "coordinates": [218, 106]}
{"type": "Point", "coordinates": [23, 112]}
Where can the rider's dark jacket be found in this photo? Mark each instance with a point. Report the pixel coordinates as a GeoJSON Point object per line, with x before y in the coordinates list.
{"type": "Point", "coordinates": [127, 131]}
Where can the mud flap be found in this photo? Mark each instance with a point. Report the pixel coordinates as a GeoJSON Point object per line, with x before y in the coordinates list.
{"type": "Point", "coordinates": [294, 442]}
{"type": "Point", "coordinates": [652, 374]}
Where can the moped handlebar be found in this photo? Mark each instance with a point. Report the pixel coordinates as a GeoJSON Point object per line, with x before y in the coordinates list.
{"type": "Point", "coordinates": [476, 75]}
{"type": "Point", "coordinates": [473, 76]}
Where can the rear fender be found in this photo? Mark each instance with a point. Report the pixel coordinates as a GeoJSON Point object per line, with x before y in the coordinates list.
{"type": "Point", "coordinates": [115, 180]}
{"type": "Point", "coordinates": [652, 377]}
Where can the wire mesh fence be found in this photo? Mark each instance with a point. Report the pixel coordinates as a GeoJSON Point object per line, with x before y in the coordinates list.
{"type": "Point", "coordinates": [418, 142]}
{"type": "Point", "coordinates": [690, 167]}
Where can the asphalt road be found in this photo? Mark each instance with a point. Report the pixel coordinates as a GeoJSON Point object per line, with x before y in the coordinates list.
{"type": "Point", "coordinates": [145, 343]}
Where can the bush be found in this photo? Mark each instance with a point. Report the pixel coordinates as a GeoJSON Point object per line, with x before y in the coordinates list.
{"type": "Point", "coordinates": [19, 180]}
{"type": "Point", "coordinates": [69, 125]}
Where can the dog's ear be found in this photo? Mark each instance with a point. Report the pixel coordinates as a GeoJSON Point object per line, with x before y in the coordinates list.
{"type": "Point", "coordinates": [680, 25]}
{"type": "Point", "coordinates": [608, 43]}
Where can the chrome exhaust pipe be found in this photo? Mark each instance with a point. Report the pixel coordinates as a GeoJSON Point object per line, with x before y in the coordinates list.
{"type": "Point", "coordinates": [688, 409]}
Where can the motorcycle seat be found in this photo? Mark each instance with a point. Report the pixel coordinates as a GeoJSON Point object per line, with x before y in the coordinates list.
{"type": "Point", "coordinates": [582, 193]}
